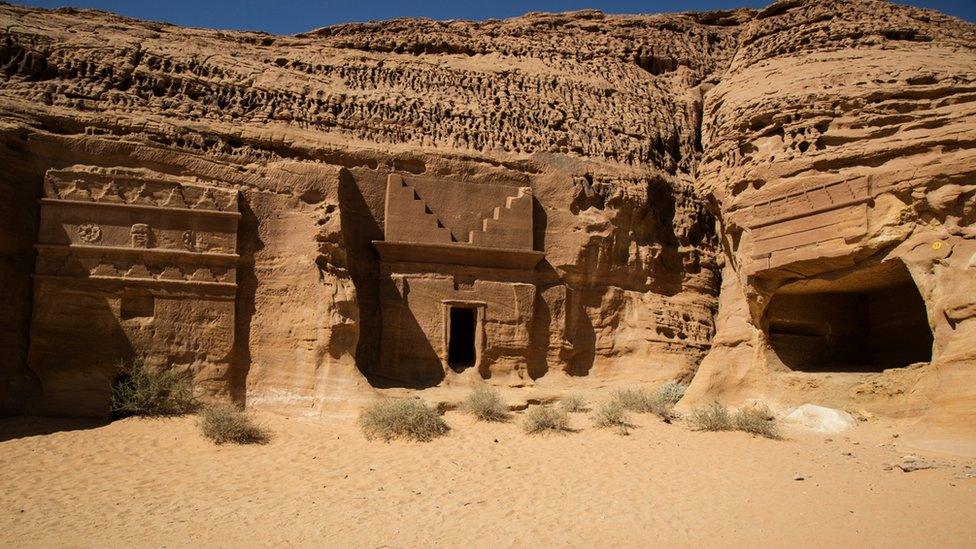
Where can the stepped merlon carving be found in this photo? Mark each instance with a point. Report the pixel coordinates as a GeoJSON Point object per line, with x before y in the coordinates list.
{"type": "Point", "coordinates": [506, 227]}
{"type": "Point", "coordinates": [409, 218]}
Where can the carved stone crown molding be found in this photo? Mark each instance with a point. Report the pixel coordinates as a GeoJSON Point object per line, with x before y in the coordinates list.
{"type": "Point", "coordinates": [135, 187]}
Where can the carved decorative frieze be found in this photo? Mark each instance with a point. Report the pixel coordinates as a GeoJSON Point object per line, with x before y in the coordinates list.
{"type": "Point", "coordinates": [134, 187]}
{"type": "Point", "coordinates": [133, 225]}
{"type": "Point", "coordinates": [495, 216]}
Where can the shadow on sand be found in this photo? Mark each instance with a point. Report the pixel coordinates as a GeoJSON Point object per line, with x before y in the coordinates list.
{"type": "Point", "coordinates": [15, 427]}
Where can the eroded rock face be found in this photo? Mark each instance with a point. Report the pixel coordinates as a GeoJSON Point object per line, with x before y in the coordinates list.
{"type": "Point", "coordinates": [844, 186]}
{"type": "Point", "coordinates": [768, 153]}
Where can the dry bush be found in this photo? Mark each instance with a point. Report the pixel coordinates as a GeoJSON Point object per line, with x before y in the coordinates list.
{"type": "Point", "coordinates": [401, 418]}
{"type": "Point", "coordinates": [671, 391]}
{"type": "Point", "coordinates": [228, 423]}
{"type": "Point", "coordinates": [486, 404]}
{"type": "Point", "coordinates": [574, 403]}
{"type": "Point", "coordinates": [713, 417]}
{"type": "Point", "coordinates": [142, 391]}
{"type": "Point", "coordinates": [639, 401]}
{"type": "Point", "coordinates": [546, 418]}
{"type": "Point", "coordinates": [756, 420]}
{"type": "Point", "coordinates": [612, 415]}
{"type": "Point", "coordinates": [633, 400]}
{"type": "Point", "coordinates": [663, 409]}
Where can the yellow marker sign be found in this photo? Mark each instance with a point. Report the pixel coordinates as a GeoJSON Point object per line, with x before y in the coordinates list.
{"type": "Point", "coordinates": [936, 245]}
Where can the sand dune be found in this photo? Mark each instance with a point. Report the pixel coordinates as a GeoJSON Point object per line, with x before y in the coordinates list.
{"type": "Point", "coordinates": [144, 483]}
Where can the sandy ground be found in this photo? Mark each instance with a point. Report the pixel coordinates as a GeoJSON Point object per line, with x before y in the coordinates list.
{"type": "Point", "coordinates": [158, 483]}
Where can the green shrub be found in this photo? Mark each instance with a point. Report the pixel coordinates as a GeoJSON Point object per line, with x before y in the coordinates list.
{"type": "Point", "coordinates": [228, 423]}
{"type": "Point", "coordinates": [612, 415]}
{"type": "Point", "coordinates": [546, 418]}
{"type": "Point", "coordinates": [713, 417]}
{"type": "Point", "coordinates": [639, 401]}
{"type": "Point", "coordinates": [574, 403]}
{"type": "Point", "coordinates": [142, 391]}
{"type": "Point", "coordinates": [486, 404]}
{"type": "Point", "coordinates": [756, 420]}
{"type": "Point", "coordinates": [671, 391]}
{"type": "Point", "coordinates": [401, 418]}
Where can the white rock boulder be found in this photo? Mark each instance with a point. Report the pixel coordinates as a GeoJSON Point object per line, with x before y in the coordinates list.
{"type": "Point", "coordinates": [822, 419]}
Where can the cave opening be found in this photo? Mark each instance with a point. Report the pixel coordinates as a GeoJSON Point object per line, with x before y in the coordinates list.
{"type": "Point", "coordinates": [461, 340]}
{"type": "Point", "coordinates": [867, 320]}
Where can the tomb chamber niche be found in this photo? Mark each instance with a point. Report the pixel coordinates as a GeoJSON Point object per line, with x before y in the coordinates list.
{"type": "Point", "coordinates": [461, 338]}
{"type": "Point", "coordinates": [864, 321]}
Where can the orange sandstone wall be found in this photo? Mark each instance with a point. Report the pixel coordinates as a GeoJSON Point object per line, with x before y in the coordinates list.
{"type": "Point", "coordinates": [662, 152]}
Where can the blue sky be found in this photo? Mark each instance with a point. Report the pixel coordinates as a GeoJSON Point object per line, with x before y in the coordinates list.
{"type": "Point", "coordinates": [294, 16]}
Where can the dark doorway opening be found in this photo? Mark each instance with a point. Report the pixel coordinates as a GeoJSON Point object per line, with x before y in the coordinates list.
{"type": "Point", "coordinates": [460, 351]}
{"type": "Point", "coordinates": [863, 321]}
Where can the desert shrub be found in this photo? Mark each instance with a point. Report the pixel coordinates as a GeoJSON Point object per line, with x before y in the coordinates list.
{"type": "Point", "coordinates": [142, 391]}
{"type": "Point", "coordinates": [546, 418]}
{"type": "Point", "coordinates": [612, 415]}
{"type": "Point", "coordinates": [486, 404]}
{"type": "Point", "coordinates": [401, 418]}
{"type": "Point", "coordinates": [639, 401]}
{"type": "Point", "coordinates": [671, 391]}
{"type": "Point", "coordinates": [713, 417]}
{"type": "Point", "coordinates": [633, 400]}
{"type": "Point", "coordinates": [756, 420]}
{"type": "Point", "coordinates": [229, 423]}
{"type": "Point", "coordinates": [574, 403]}
{"type": "Point", "coordinates": [664, 409]}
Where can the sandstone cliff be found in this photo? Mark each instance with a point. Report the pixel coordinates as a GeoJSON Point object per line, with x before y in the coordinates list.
{"type": "Point", "coordinates": [664, 153]}
{"type": "Point", "coordinates": [840, 155]}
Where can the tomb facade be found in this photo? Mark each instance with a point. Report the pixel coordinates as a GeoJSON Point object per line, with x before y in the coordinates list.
{"type": "Point", "coordinates": [457, 280]}
{"type": "Point", "coordinates": [131, 265]}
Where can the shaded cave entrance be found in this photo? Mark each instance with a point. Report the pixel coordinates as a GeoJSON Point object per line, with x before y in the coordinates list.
{"type": "Point", "coordinates": [461, 352]}
{"type": "Point", "coordinates": [865, 321]}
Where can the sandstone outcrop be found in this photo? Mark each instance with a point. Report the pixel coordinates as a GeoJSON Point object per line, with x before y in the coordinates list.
{"type": "Point", "coordinates": [845, 186]}
{"type": "Point", "coordinates": [555, 197]}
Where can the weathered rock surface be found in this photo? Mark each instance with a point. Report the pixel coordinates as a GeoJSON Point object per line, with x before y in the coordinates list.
{"type": "Point", "coordinates": [840, 153]}
{"type": "Point", "coordinates": [699, 182]}
{"type": "Point", "coordinates": [910, 464]}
